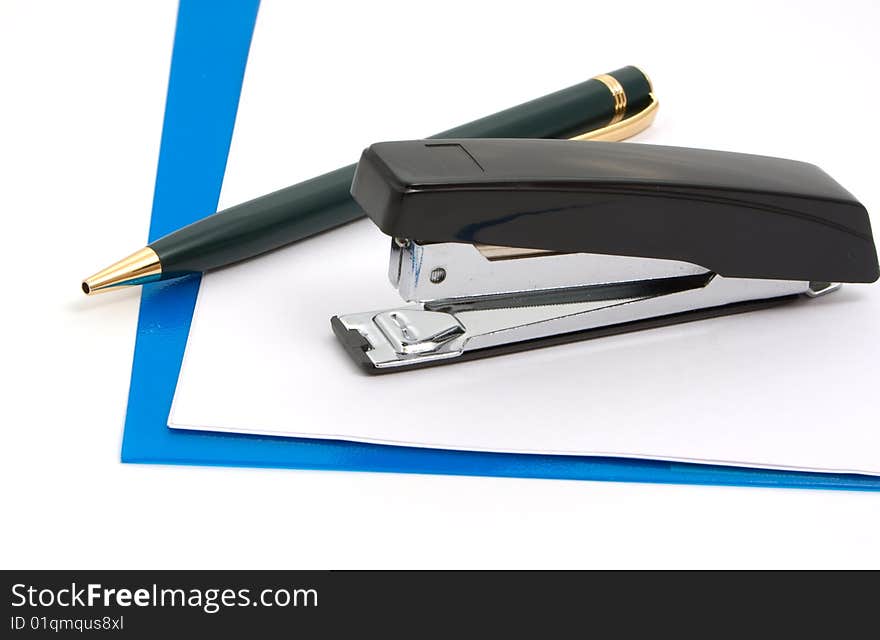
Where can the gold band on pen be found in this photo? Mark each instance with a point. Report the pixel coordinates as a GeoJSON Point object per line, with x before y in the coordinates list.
{"type": "Point", "coordinates": [617, 93]}
{"type": "Point", "coordinates": [621, 127]}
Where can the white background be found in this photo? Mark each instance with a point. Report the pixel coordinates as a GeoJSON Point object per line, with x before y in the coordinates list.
{"type": "Point", "coordinates": [80, 119]}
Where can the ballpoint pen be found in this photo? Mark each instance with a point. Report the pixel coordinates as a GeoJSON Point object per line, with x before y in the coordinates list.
{"type": "Point", "coordinates": [609, 107]}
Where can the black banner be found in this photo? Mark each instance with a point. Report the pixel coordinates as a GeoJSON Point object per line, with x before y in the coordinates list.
{"type": "Point", "coordinates": [269, 604]}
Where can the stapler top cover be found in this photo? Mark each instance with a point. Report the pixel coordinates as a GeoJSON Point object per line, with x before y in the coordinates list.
{"type": "Point", "coordinates": [739, 215]}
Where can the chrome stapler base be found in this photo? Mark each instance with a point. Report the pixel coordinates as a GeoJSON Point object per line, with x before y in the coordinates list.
{"type": "Point", "coordinates": [504, 314]}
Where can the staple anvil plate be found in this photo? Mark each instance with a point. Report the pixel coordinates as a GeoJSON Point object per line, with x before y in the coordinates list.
{"type": "Point", "coordinates": [510, 244]}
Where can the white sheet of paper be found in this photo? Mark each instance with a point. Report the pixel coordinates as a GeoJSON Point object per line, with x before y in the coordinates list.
{"type": "Point", "coordinates": [783, 387]}
{"type": "Point", "coordinates": [790, 387]}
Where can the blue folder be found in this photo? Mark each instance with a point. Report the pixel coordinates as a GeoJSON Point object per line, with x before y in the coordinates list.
{"type": "Point", "coordinates": [210, 52]}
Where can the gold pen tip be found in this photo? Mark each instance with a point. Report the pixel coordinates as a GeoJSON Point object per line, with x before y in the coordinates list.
{"type": "Point", "coordinates": [140, 267]}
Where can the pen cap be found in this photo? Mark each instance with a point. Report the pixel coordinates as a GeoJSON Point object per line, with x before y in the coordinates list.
{"type": "Point", "coordinates": [598, 102]}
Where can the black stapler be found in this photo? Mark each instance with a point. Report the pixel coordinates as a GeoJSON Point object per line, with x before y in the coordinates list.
{"type": "Point", "coordinates": [504, 245]}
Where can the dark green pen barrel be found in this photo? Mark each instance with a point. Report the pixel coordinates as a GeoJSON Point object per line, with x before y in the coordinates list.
{"type": "Point", "coordinates": [260, 225]}
{"type": "Point", "coordinates": [324, 202]}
